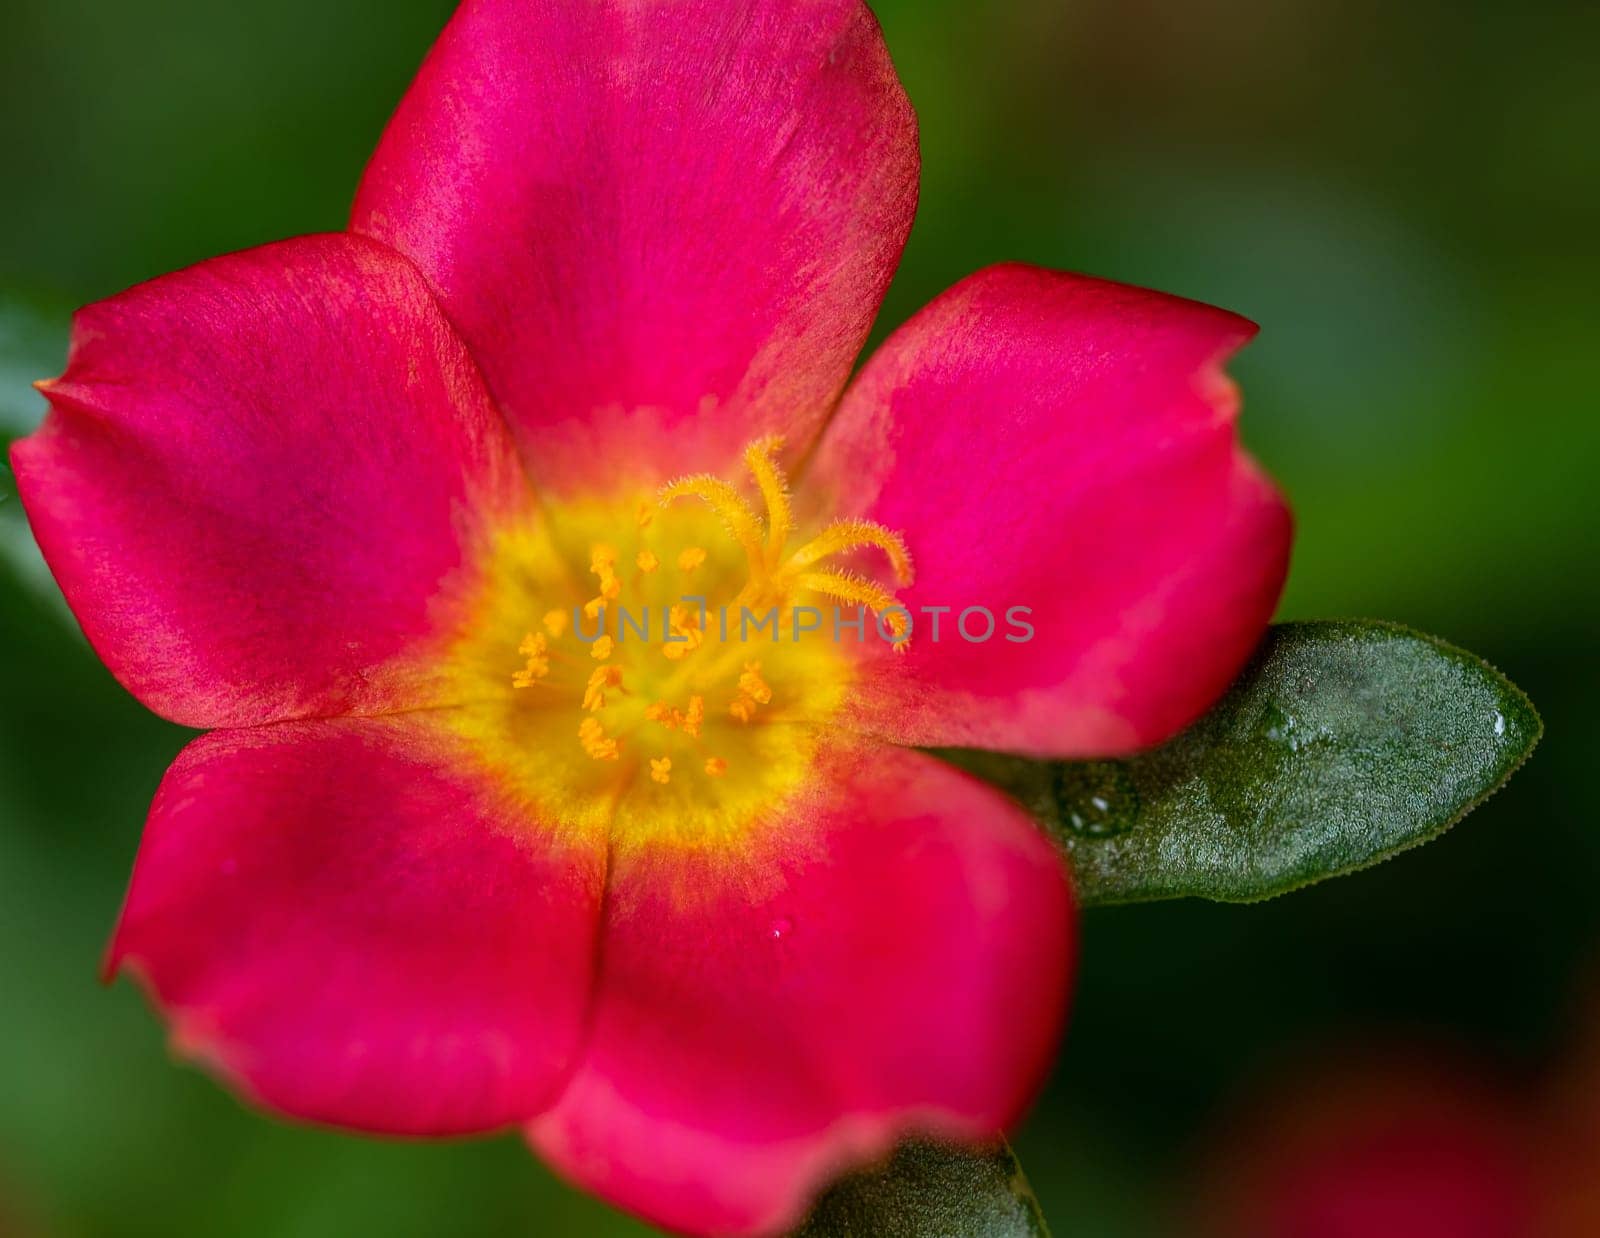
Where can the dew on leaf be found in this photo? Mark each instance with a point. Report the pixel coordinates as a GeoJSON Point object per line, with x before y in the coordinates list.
{"type": "Point", "coordinates": [1096, 799]}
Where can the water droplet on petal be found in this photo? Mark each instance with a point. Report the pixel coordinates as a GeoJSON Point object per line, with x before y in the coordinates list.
{"type": "Point", "coordinates": [780, 928]}
{"type": "Point", "coordinates": [1097, 799]}
{"type": "Point", "coordinates": [1499, 724]}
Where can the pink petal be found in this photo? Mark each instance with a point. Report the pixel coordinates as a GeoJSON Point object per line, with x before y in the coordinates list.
{"type": "Point", "coordinates": [257, 477]}
{"type": "Point", "coordinates": [1064, 444]}
{"type": "Point", "coordinates": [663, 226]}
{"type": "Point", "coordinates": [353, 930]}
{"type": "Point", "coordinates": [892, 956]}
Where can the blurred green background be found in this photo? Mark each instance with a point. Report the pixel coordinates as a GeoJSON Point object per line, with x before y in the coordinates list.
{"type": "Point", "coordinates": [1404, 196]}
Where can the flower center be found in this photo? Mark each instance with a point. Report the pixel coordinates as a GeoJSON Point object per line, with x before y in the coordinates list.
{"type": "Point", "coordinates": [677, 681]}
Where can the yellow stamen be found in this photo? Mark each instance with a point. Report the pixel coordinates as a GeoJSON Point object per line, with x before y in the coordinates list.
{"type": "Point", "coordinates": [555, 623]}
{"type": "Point", "coordinates": [602, 649]}
{"type": "Point", "coordinates": [716, 767]}
{"type": "Point", "coordinates": [647, 561]}
{"type": "Point", "coordinates": [753, 693]}
{"type": "Point", "coordinates": [603, 563]}
{"type": "Point", "coordinates": [595, 741]}
{"type": "Point", "coordinates": [759, 458]}
{"type": "Point", "coordinates": [691, 558]}
{"type": "Point", "coordinates": [843, 535]}
{"type": "Point", "coordinates": [688, 722]}
{"type": "Point", "coordinates": [663, 713]}
{"type": "Point", "coordinates": [730, 508]}
{"type": "Point", "coordinates": [753, 686]}
{"type": "Point", "coordinates": [538, 662]}
{"type": "Point", "coordinates": [687, 636]}
{"type": "Point", "coordinates": [594, 694]}
{"type": "Point", "coordinates": [661, 770]}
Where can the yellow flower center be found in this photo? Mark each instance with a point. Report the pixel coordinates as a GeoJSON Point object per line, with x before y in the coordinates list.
{"type": "Point", "coordinates": [662, 665]}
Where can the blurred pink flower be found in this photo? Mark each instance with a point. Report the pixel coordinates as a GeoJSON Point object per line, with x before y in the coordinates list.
{"type": "Point", "coordinates": [1389, 1144]}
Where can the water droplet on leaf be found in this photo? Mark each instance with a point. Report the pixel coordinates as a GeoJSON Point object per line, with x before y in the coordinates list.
{"type": "Point", "coordinates": [1285, 730]}
{"type": "Point", "coordinates": [1278, 726]}
{"type": "Point", "coordinates": [1097, 799]}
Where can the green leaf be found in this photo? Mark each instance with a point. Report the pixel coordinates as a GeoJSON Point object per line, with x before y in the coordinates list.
{"type": "Point", "coordinates": [1340, 745]}
{"type": "Point", "coordinates": [33, 345]}
{"type": "Point", "coordinates": [930, 1190]}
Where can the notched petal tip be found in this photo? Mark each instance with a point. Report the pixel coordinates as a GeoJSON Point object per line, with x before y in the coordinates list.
{"type": "Point", "coordinates": [680, 287]}
{"type": "Point", "coordinates": [170, 481]}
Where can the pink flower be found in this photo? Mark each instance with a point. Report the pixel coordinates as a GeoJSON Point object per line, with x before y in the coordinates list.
{"type": "Point", "coordinates": [698, 915]}
{"type": "Point", "coordinates": [1394, 1142]}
